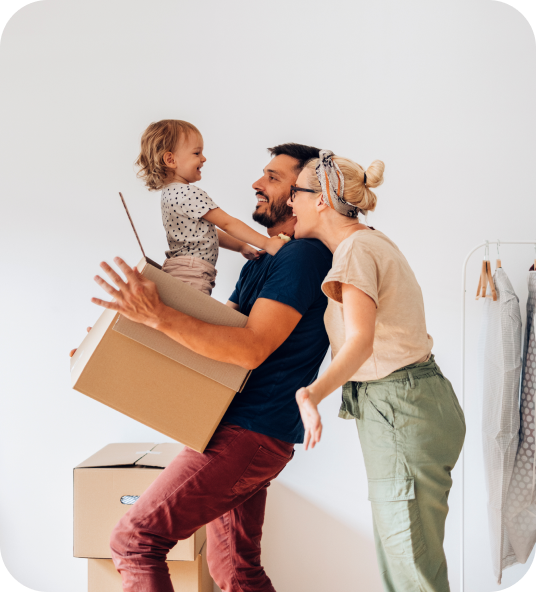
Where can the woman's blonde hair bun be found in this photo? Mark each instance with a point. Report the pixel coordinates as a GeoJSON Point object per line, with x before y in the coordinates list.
{"type": "Point", "coordinates": [355, 190]}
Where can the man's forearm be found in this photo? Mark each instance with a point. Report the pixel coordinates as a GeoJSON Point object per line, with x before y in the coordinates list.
{"type": "Point", "coordinates": [233, 345]}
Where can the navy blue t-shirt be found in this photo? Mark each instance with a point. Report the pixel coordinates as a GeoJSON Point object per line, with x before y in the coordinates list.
{"type": "Point", "coordinates": [294, 276]}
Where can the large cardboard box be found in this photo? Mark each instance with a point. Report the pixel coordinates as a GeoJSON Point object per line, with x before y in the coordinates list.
{"type": "Point", "coordinates": [144, 374]}
{"type": "Point", "coordinates": [105, 487]}
{"type": "Point", "coordinates": [186, 576]}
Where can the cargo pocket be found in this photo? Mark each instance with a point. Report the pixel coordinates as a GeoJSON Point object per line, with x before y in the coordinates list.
{"type": "Point", "coordinates": [264, 467]}
{"type": "Point", "coordinates": [397, 518]}
{"type": "Point", "coordinates": [382, 411]}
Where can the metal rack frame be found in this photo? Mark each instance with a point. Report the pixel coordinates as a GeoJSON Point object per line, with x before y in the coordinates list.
{"type": "Point", "coordinates": [462, 398]}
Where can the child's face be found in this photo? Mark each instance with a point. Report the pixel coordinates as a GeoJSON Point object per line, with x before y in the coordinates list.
{"type": "Point", "coordinates": [189, 158]}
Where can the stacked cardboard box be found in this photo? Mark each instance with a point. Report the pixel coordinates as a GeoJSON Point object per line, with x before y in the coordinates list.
{"type": "Point", "coordinates": [105, 487]}
{"type": "Point", "coordinates": [144, 374]}
{"type": "Point", "coordinates": [186, 576]}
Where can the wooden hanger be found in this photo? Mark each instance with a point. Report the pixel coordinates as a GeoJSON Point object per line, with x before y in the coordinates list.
{"type": "Point", "coordinates": [485, 278]}
{"type": "Point", "coordinates": [533, 266]}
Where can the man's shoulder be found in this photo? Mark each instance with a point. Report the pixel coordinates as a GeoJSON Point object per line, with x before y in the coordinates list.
{"type": "Point", "coordinates": [309, 249]}
{"type": "Point", "coordinates": [303, 252]}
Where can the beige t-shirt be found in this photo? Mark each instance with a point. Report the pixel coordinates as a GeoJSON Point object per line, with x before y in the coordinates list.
{"type": "Point", "coordinates": [373, 263]}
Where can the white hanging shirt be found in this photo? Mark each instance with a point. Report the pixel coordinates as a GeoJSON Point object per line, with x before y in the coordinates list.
{"type": "Point", "coordinates": [500, 353]}
{"type": "Point", "coordinates": [187, 232]}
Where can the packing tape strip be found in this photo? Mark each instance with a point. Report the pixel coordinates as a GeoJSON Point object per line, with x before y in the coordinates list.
{"type": "Point", "coordinates": [128, 500]}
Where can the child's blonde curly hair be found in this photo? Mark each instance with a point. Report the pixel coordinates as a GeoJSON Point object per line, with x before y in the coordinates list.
{"type": "Point", "coordinates": [159, 138]}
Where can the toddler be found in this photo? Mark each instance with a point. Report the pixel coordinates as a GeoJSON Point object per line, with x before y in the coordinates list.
{"type": "Point", "coordinates": [171, 159]}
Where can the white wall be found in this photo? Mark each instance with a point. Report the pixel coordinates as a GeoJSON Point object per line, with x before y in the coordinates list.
{"type": "Point", "coordinates": [442, 92]}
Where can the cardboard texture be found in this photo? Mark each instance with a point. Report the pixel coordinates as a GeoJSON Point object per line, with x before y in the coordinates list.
{"type": "Point", "coordinates": [101, 481]}
{"type": "Point", "coordinates": [151, 378]}
{"type": "Point", "coordinates": [186, 576]}
{"type": "Point", "coordinates": [183, 297]}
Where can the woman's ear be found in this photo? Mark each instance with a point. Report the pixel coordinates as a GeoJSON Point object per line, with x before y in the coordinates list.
{"type": "Point", "coordinates": [320, 205]}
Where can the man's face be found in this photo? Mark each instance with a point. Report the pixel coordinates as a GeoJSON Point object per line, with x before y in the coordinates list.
{"type": "Point", "coordinates": [273, 191]}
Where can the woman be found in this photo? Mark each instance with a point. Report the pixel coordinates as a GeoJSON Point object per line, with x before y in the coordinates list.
{"type": "Point", "coordinates": [410, 424]}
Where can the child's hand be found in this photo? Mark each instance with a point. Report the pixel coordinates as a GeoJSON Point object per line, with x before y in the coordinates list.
{"type": "Point", "coordinates": [274, 244]}
{"type": "Point", "coordinates": [250, 252]}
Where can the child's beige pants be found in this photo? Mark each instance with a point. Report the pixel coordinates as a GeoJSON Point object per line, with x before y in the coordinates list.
{"type": "Point", "coordinates": [198, 273]}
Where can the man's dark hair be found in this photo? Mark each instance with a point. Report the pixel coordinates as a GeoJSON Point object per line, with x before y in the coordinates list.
{"type": "Point", "coordinates": [300, 152]}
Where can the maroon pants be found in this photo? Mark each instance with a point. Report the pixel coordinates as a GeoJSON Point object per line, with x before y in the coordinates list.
{"type": "Point", "coordinates": [224, 488]}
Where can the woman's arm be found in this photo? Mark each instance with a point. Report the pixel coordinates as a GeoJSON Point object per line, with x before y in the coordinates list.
{"type": "Point", "coordinates": [237, 229]}
{"type": "Point", "coordinates": [359, 323]}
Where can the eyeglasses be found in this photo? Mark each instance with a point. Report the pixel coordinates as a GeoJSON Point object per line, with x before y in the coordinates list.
{"type": "Point", "coordinates": [294, 189]}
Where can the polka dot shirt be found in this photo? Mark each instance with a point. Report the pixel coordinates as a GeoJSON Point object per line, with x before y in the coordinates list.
{"type": "Point", "coordinates": [187, 232]}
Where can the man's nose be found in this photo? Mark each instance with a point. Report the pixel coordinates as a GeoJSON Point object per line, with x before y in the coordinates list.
{"type": "Point", "coordinates": [258, 185]}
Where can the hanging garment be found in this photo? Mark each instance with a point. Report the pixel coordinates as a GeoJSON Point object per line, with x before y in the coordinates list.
{"type": "Point", "coordinates": [521, 502]}
{"type": "Point", "coordinates": [501, 338]}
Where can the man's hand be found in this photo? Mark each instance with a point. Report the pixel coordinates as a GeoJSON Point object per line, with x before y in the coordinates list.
{"type": "Point", "coordinates": [136, 298]}
{"type": "Point", "coordinates": [310, 418]}
{"type": "Point", "coordinates": [72, 352]}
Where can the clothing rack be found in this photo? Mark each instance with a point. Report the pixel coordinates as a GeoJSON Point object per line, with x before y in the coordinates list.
{"type": "Point", "coordinates": [462, 398]}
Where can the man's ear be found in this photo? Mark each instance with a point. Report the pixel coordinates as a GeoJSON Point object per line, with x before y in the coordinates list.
{"type": "Point", "coordinates": [169, 160]}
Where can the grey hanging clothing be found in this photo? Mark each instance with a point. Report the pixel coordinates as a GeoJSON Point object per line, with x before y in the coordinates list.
{"type": "Point", "coordinates": [521, 502]}
{"type": "Point", "coordinates": [501, 337]}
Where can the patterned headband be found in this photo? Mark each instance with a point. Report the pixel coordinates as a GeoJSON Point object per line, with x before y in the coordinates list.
{"type": "Point", "coordinates": [332, 183]}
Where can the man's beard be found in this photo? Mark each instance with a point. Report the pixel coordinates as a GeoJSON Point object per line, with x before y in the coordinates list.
{"type": "Point", "coordinates": [276, 213]}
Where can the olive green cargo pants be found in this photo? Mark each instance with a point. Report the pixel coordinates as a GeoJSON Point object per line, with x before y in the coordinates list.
{"type": "Point", "coordinates": [411, 429]}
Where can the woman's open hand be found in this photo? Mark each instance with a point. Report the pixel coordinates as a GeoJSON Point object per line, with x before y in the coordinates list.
{"type": "Point", "coordinates": [136, 298]}
{"type": "Point", "coordinates": [310, 418]}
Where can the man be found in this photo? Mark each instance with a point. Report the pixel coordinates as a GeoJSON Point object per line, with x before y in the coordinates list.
{"type": "Point", "coordinates": [284, 342]}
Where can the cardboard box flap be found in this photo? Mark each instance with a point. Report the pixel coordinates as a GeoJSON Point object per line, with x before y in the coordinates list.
{"type": "Point", "coordinates": [118, 455]}
{"type": "Point", "coordinates": [183, 297]}
{"type": "Point", "coordinates": [161, 455]}
{"type": "Point", "coordinates": [190, 301]}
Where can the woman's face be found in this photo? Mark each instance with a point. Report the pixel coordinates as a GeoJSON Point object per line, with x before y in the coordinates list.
{"type": "Point", "coordinates": [304, 208]}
